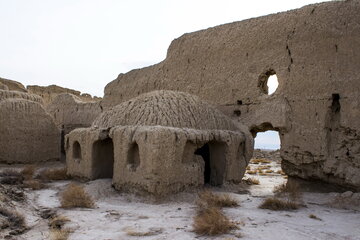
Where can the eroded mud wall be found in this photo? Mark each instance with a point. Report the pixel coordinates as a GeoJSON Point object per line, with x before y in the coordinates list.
{"type": "Point", "coordinates": [315, 53]}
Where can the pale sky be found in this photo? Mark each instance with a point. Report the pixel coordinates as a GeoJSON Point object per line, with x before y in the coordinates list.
{"type": "Point", "coordinates": [85, 44]}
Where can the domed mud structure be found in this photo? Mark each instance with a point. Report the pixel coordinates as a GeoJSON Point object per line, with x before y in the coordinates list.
{"type": "Point", "coordinates": [160, 142]}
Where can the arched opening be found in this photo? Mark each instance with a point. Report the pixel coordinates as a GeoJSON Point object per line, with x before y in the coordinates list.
{"type": "Point", "coordinates": [213, 154]}
{"type": "Point", "coordinates": [265, 164]}
{"type": "Point", "coordinates": [133, 157]}
{"type": "Point", "coordinates": [76, 150]}
{"type": "Point", "coordinates": [268, 140]}
{"type": "Point", "coordinates": [103, 158]}
{"type": "Point", "coordinates": [268, 82]}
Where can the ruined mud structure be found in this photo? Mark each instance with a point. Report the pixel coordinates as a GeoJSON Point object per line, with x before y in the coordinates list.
{"type": "Point", "coordinates": [28, 133]}
{"type": "Point", "coordinates": [161, 142]}
{"type": "Point", "coordinates": [315, 54]}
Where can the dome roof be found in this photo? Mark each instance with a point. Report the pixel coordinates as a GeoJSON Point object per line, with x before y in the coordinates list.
{"type": "Point", "coordinates": [165, 108]}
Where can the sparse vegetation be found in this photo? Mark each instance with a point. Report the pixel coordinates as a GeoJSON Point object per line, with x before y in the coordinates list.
{"type": "Point", "coordinates": [209, 199]}
{"type": "Point", "coordinates": [211, 221]}
{"type": "Point", "coordinates": [314, 217]}
{"type": "Point", "coordinates": [75, 196]}
{"type": "Point", "coordinates": [59, 234]}
{"type": "Point", "coordinates": [28, 172]}
{"type": "Point", "coordinates": [11, 177]}
{"type": "Point", "coordinates": [14, 219]}
{"type": "Point", "coordinates": [58, 222]}
{"type": "Point", "coordinates": [34, 184]}
{"type": "Point", "coordinates": [259, 160]}
{"type": "Point", "coordinates": [252, 181]}
{"type": "Point", "coordinates": [53, 174]}
{"type": "Point", "coordinates": [292, 189]}
{"type": "Point", "coordinates": [277, 204]}
{"type": "Point", "coordinates": [151, 232]}
{"type": "Point", "coordinates": [252, 172]}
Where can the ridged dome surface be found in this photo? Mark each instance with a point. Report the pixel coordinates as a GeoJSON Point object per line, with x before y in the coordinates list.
{"type": "Point", "coordinates": [165, 108]}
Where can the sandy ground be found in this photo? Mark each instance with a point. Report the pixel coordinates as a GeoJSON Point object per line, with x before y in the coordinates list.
{"type": "Point", "coordinates": [117, 214]}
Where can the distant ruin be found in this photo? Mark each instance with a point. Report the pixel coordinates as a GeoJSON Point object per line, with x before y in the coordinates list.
{"type": "Point", "coordinates": [315, 53]}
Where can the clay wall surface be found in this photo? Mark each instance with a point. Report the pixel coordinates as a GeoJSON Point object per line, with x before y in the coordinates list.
{"type": "Point", "coordinates": [70, 112]}
{"type": "Point", "coordinates": [315, 53]}
{"type": "Point", "coordinates": [28, 133]}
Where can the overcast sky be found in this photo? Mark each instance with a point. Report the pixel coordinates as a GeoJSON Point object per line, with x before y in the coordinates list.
{"type": "Point", "coordinates": [84, 44]}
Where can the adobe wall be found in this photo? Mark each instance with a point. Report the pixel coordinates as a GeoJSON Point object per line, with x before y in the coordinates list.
{"type": "Point", "coordinates": [28, 133]}
{"type": "Point", "coordinates": [315, 52]}
{"type": "Point", "coordinates": [71, 112]}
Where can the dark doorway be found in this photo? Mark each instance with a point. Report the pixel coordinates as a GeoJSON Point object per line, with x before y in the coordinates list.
{"type": "Point", "coordinates": [103, 158]}
{"type": "Point", "coordinates": [213, 154]}
{"type": "Point", "coordinates": [204, 152]}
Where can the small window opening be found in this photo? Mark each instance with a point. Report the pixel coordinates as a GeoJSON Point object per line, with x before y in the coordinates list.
{"type": "Point", "coordinates": [76, 150]}
{"type": "Point", "coordinates": [268, 82]}
{"type": "Point", "coordinates": [133, 158]}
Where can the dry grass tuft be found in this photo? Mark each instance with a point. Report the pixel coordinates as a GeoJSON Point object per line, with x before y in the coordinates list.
{"type": "Point", "coordinates": [292, 189]}
{"type": "Point", "coordinates": [14, 219]}
{"type": "Point", "coordinates": [209, 199]}
{"type": "Point", "coordinates": [59, 234]}
{"type": "Point", "coordinates": [252, 172]}
{"type": "Point", "coordinates": [269, 171]}
{"type": "Point", "coordinates": [151, 232]}
{"type": "Point", "coordinates": [11, 177]}
{"type": "Point", "coordinates": [58, 222]}
{"type": "Point", "coordinates": [277, 204]}
{"type": "Point", "coordinates": [53, 174]}
{"type": "Point", "coordinates": [75, 196]}
{"type": "Point", "coordinates": [211, 221]}
{"type": "Point", "coordinates": [34, 184]}
{"type": "Point", "coordinates": [259, 160]}
{"type": "Point", "coordinates": [280, 172]}
{"type": "Point", "coordinates": [252, 181]}
{"type": "Point", "coordinates": [314, 217]}
{"type": "Point", "coordinates": [28, 172]}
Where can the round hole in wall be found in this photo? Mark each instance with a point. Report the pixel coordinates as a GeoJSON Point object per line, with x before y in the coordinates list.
{"type": "Point", "coordinates": [268, 82]}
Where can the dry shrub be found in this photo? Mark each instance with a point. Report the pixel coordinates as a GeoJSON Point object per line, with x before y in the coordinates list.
{"type": "Point", "coordinates": [14, 219]}
{"type": "Point", "coordinates": [292, 189]}
{"type": "Point", "coordinates": [211, 221]}
{"type": "Point", "coordinates": [11, 177]}
{"type": "Point", "coordinates": [251, 172]}
{"type": "Point", "coordinates": [263, 167]}
{"type": "Point", "coordinates": [59, 234]}
{"type": "Point", "coordinates": [280, 172]}
{"type": "Point", "coordinates": [28, 171]}
{"type": "Point", "coordinates": [314, 217]}
{"type": "Point", "coordinates": [209, 199]}
{"type": "Point", "coordinates": [252, 181]}
{"type": "Point", "coordinates": [34, 184]}
{"type": "Point", "coordinates": [151, 232]}
{"type": "Point", "coordinates": [269, 171]}
{"type": "Point", "coordinates": [277, 204]}
{"type": "Point", "coordinates": [259, 160]}
{"type": "Point", "coordinates": [53, 174]}
{"type": "Point", "coordinates": [58, 222]}
{"type": "Point", "coordinates": [75, 196]}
